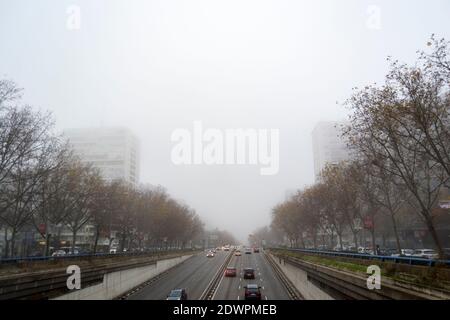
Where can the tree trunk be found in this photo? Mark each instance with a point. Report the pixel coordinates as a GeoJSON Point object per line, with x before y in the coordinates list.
{"type": "Point", "coordinates": [47, 244]}
{"type": "Point", "coordinates": [74, 240]}
{"type": "Point", "coordinates": [97, 234]}
{"type": "Point", "coordinates": [332, 240]}
{"type": "Point", "coordinates": [355, 238]}
{"type": "Point", "coordinates": [434, 235]}
{"type": "Point", "coordinates": [340, 241]}
{"type": "Point", "coordinates": [5, 254]}
{"type": "Point", "coordinates": [13, 243]}
{"type": "Point", "coordinates": [397, 238]}
{"type": "Point", "coordinates": [374, 246]}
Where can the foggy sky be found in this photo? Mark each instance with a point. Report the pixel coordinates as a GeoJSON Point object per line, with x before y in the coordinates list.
{"type": "Point", "coordinates": [155, 66]}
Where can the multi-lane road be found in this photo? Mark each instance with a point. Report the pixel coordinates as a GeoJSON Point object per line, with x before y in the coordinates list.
{"type": "Point", "coordinates": [197, 272]}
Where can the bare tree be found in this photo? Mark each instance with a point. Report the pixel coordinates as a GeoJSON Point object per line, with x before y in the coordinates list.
{"type": "Point", "coordinates": [382, 131]}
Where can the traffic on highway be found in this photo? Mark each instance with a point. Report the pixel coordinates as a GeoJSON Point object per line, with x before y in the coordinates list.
{"type": "Point", "coordinates": [246, 276]}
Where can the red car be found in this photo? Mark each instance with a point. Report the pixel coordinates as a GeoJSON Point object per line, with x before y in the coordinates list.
{"type": "Point", "coordinates": [230, 272]}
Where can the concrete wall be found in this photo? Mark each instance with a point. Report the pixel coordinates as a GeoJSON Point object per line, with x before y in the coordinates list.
{"type": "Point", "coordinates": [117, 283]}
{"type": "Point", "coordinates": [300, 280]}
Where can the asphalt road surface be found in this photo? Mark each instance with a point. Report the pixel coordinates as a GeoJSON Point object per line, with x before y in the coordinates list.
{"type": "Point", "coordinates": [193, 274]}
{"type": "Point", "coordinates": [232, 288]}
{"type": "Point", "coordinates": [196, 273]}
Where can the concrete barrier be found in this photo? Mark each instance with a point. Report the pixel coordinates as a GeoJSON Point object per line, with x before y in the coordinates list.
{"type": "Point", "coordinates": [299, 279]}
{"type": "Point", "coordinates": [117, 283]}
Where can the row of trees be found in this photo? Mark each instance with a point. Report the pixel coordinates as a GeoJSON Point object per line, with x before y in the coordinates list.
{"type": "Point", "coordinates": [399, 137]}
{"type": "Point", "coordinates": [43, 185]}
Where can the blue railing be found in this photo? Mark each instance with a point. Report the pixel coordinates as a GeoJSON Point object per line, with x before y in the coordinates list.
{"type": "Point", "coordinates": [365, 256]}
{"type": "Point", "coordinates": [82, 256]}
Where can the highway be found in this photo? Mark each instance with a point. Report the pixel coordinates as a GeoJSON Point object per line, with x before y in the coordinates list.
{"type": "Point", "coordinates": [196, 273]}
{"type": "Point", "coordinates": [232, 288]}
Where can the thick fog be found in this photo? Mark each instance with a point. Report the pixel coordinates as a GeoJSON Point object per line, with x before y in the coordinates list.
{"type": "Point", "coordinates": [158, 66]}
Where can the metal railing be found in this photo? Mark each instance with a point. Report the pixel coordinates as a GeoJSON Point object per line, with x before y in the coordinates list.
{"type": "Point", "coordinates": [365, 256]}
{"type": "Point", "coordinates": [86, 256]}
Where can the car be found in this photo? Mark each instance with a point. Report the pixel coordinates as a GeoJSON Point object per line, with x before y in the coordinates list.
{"type": "Point", "coordinates": [230, 272]}
{"type": "Point", "coordinates": [256, 250]}
{"type": "Point", "coordinates": [249, 273]}
{"type": "Point", "coordinates": [404, 252]}
{"type": "Point", "coordinates": [68, 250]}
{"type": "Point", "coordinates": [226, 249]}
{"type": "Point", "coordinates": [210, 254]}
{"type": "Point", "coordinates": [177, 294]}
{"type": "Point", "coordinates": [218, 248]}
{"type": "Point", "coordinates": [252, 292]}
{"type": "Point", "coordinates": [238, 253]}
{"type": "Point", "coordinates": [248, 251]}
{"type": "Point", "coordinates": [425, 253]}
{"type": "Point", "coordinates": [59, 253]}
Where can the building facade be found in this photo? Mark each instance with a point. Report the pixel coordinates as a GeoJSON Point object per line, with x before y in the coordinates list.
{"type": "Point", "coordinates": [328, 145]}
{"type": "Point", "coordinates": [114, 151]}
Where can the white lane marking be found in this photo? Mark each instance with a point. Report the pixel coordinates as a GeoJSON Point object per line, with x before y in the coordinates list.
{"type": "Point", "coordinates": [263, 288]}
{"type": "Point", "coordinates": [238, 298]}
{"type": "Point", "coordinates": [266, 297]}
{"type": "Point", "coordinates": [239, 287]}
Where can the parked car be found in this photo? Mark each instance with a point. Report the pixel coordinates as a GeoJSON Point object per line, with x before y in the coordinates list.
{"type": "Point", "coordinates": [404, 252]}
{"type": "Point", "coordinates": [59, 253]}
{"type": "Point", "coordinates": [425, 253]}
{"type": "Point", "coordinates": [252, 292]}
{"type": "Point", "coordinates": [249, 273]}
{"type": "Point", "coordinates": [68, 250]}
{"type": "Point", "coordinates": [177, 294]}
{"type": "Point", "coordinates": [230, 272]}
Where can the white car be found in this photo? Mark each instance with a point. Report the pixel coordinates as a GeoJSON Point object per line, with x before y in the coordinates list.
{"type": "Point", "coordinates": [404, 252]}
{"type": "Point", "coordinates": [425, 253]}
{"type": "Point", "coordinates": [210, 254]}
{"type": "Point", "coordinates": [59, 253]}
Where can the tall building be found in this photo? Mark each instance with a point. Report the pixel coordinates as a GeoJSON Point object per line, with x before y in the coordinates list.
{"type": "Point", "coordinates": [328, 145]}
{"type": "Point", "coordinates": [113, 150]}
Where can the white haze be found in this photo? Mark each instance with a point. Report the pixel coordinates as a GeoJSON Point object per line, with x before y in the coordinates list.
{"type": "Point", "coordinates": [155, 66]}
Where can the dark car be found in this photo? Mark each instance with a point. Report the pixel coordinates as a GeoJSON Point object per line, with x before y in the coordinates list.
{"type": "Point", "coordinates": [252, 292]}
{"type": "Point", "coordinates": [177, 294]}
{"type": "Point", "coordinates": [249, 273]}
{"type": "Point", "coordinates": [256, 250]}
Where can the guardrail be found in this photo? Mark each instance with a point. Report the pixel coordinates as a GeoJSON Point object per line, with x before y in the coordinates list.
{"type": "Point", "coordinates": [293, 292]}
{"type": "Point", "coordinates": [407, 260]}
{"type": "Point", "coordinates": [210, 290]}
{"type": "Point", "coordinates": [51, 283]}
{"type": "Point", "coordinates": [87, 256]}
